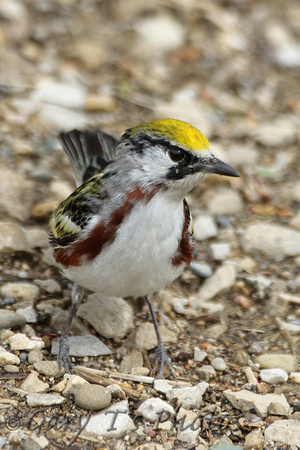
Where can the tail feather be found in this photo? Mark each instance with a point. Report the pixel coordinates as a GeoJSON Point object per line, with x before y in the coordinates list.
{"type": "Point", "coordinates": [89, 152]}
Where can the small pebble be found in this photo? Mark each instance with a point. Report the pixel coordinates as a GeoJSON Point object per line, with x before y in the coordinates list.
{"type": "Point", "coordinates": [11, 368]}
{"type": "Point", "coordinates": [219, 364]}
{"type": "Point", "coordinates": [10, 319]}
{"type": "Point", "coordinates": [29, 314]}
{"type": "Point", "coordinates": [220, 251]}
{"type": "Point", "coordinates": [48, 368]}
{"type": "Point", "coordinates": [92, 397]}
{"type": "Point", "coordinates": [152, 408]}
{"type": "Point", "coordinates": [7, 357]}
{"type": "Point", "coordinates": [21, 291]}
{"type": "Point", "coordinates": [36, 399]}
{"type": "Point", "coordinates": [295, 376]}
{"type": "Point", "coordinates": [206, 372]}
{"type": "Point", "coordinates": [199, 355]}
{"type": "Point", "coordinates": [32, 383]}
{"type": "Point", "coordinates": [273, 376]}
{"type": "Point", "coordinates": [20, 341]}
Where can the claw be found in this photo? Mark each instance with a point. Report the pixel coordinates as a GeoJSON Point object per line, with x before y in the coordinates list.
{"type": "Point", "coordinates": [162, 361]}
{"type": "Point", "coordinates": [63, 357]}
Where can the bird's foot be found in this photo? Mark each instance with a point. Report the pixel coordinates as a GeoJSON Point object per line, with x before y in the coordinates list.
{"type": "Point", "coordinates": [63, 358]}
{"type": "Point", "coordinates": [162, 361]}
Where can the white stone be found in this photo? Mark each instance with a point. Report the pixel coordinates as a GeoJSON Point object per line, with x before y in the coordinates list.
{"type": "Point", "coordinates": [224, 203]}
{"type": "Point", "coordinates": [199, 355]}
{"type": "Point", "coordinates": [160, 31]}
{"type": "Point", "coordinates": [284, 431]}
{"type": "Point", "coordinates": [295, 377]}
{"type": "Point", "coordinates": [205, 228]}
{"type": "Point", "coordinates": [13, 238]}
{"type": "Point", "coordinates": [189, 397]}
{"type": "Point", "coordinates": [7, 357]}
{"type": "Point", "coordinates": [223, 278]}
{"type": "Point", "coordinates": [219, 364]}
{"type": "Point", "coordinates": [245, 400]}
{"type": "Point", "coordinates": [274, 241]}
{"type": "Point", "coordinates": [113, 422]}
{"type": "Point", "coordinates": [32, 383]}
{"type": "Point", "coordinates": [67, 95]}
{"type": "Point", "coordinates": [74, 383]}
{"type": "Point", "coordinates": [154, 408]}
{"type": "Point", "coordinates": [44, 399]}
{"type": "Point", "coordinates": [189, 425]}
{"type": "Point", "coordinates": [220, 251]}
{"type": "Point", "coordinates": [20, 341]}
{"type": "Point", "coordinates": [282, 131]}
{"type": "Point", "coordinates": [21, 291]}
{"type": "Point", "coordinates": [273, 376]}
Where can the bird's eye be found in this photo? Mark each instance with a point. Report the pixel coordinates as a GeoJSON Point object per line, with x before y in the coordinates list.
{"type": "Point", "coordinates": [176, 155]}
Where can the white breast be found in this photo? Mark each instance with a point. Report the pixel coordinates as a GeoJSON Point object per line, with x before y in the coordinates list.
{"type": "Point", "coordinates": [138, 261]}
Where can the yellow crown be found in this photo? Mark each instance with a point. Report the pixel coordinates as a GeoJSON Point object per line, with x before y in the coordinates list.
{"type": "Point", "coordinates": [181, 133]}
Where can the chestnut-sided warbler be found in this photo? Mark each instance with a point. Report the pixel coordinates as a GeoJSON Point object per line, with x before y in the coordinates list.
{"type": "Point", "coordinates": [126, 230]}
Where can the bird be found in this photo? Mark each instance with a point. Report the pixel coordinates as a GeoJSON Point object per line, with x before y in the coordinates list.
{"type": "Point", "coordinates": [126, 231]}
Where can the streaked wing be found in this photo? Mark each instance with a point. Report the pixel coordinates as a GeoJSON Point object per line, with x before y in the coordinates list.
{"type": "Point", "coordinates": [72, 216]}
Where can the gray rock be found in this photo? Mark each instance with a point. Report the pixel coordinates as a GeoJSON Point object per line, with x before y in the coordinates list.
{"type": "Point", "coordinates": [206, 372]}
{"type": "Point", "coordinates": [50, 286]}
{"type": "Point", "coordinates": [34, 356]}
{"type": "Point", "coordinates": [83, 346]}
{"type": "Point", "coordinates": [113, 422]}
{"type": "Point", "coordinates": [48, 368]}
{"type": "Point", "coordinates": [153, 409]}
{"type": "Point", "coordinates": [277, 361]}
{"type": "Point", "coordinates": [10, 319]}
{"type": "Point", "coordinates": [28, 313]}
{"type": "Point", "coordinates": [44, 399]}
{"type": "Point", "coordinates": [111, 317]}
{"type": "Point", "coordinates": [7, 357]}
{"type": "Point", "coordinates": [92, 397]}
{"type": "Point", "coordinates": [189, 397]}
{"type": "Point", "coordinates": [11, 368]}
{"type": "Point", "coordinates": [21, 291]}
{"type": "Point", "coordinates": [205, 228]}
{"type": "Point", "coordinates": [284, 431]}
{"type": "Point", "coordinates": [223, 278]}
{"type": "Point", "coordinates": [132, 359]}
{"type": "Point", "coordinates": [219, 364]}
{"type": "Point", "coordinates": [245, 400]}
{"type": "Point", "coordinates": [273, 376]}
{"type": "Point", "coordinates": [146, 338]}
{"type": "Point", "coordinates": [224, 203]}
{"type": "Point", "coordinates": [274, 241]}
{"type": "Point", "coordinates": [12, 239]}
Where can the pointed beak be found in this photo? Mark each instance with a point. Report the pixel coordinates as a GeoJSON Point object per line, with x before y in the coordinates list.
{"type": "Point", "coordinates": [217, 166]}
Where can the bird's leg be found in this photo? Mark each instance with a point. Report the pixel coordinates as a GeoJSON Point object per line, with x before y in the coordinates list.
{"type": "Point", "coordinates": [63, 357]}
{"type": "Point", "coordinates": [161, 357]}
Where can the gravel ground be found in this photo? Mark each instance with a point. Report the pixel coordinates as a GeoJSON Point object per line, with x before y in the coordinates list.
{"type": "Point", "coordinates": [232, 323]}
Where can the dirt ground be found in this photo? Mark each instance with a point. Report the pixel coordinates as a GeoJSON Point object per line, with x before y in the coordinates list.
{"type": "Point", "coordinates": [232, 69]}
